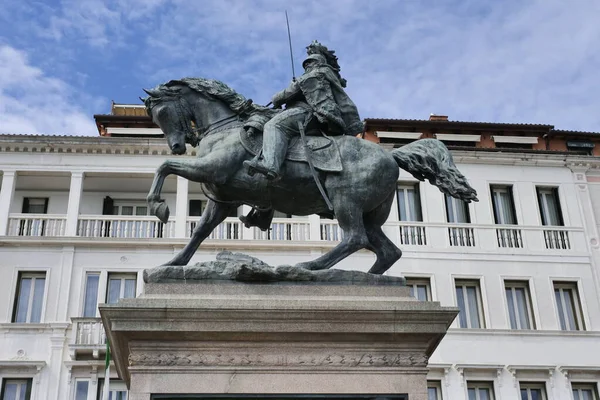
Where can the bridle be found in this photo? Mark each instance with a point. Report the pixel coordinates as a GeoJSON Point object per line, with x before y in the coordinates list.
{"type": "Point", "coordinates": [193, 136]}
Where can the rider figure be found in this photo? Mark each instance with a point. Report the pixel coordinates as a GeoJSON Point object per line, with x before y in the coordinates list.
{"type": "Point", "coordinates": [319, 93]}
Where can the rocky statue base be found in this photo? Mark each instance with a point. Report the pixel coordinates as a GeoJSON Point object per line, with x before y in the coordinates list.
{"type": "Point", "coordinates": [244, 268]}
{"type": "Point", "coordinates": [309, 337]}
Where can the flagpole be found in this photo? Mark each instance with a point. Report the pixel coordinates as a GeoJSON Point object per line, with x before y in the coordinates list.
{"type": "Point", "coordinates": [106, 388]}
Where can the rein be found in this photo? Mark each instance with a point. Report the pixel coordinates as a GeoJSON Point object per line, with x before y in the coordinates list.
{"type": "Point", "coordinates": [195, 135]}
{"type": "Point", "coordinates": [219, 126]}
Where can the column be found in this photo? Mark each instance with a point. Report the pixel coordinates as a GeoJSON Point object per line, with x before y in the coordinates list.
{"type": "Point", "coordinates": [6, 195]}
{"type": "Point", "coordinates": [314, 222]}
{"type": "Point", "coordinates": [75, 192]}
{"type": "Point", "coordinates": [247, 233]}
{"type": "Point", "coordinates": [181, 207]}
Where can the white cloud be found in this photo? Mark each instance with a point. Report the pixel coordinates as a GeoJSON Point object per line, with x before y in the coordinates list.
{"type": "Point", "coordinates": [533, 61]}
{"type": "Point", "coordinates": [32, 102]}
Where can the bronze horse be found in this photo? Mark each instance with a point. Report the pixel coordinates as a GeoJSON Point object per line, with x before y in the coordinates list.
{"type": "Point", "coordinates": [208, 114]}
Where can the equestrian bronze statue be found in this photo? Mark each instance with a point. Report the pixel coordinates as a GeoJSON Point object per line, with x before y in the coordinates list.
{"type": "Point", "coordinates": [357, 177]}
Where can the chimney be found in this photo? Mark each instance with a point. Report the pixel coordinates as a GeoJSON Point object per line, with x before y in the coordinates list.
{"type": "Point", "coordinates": [435, 117]}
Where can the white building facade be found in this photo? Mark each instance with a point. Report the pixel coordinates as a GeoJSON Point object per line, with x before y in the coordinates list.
{"type": "Point", "coordinates": [521, 264]}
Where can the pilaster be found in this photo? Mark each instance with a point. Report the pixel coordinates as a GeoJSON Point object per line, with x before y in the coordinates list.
{"type": "Point", "coordinates": [75, 192]}
{"type": "Point", "coordinates": [589, 222]}
{"type": "Point", "coordinates": [6, 194]}
{"type": "Point", "coordinates": [181, 207]}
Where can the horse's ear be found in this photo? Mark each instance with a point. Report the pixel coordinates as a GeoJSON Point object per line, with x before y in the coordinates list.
{"type": "Point", "coordinates": [151, 92]}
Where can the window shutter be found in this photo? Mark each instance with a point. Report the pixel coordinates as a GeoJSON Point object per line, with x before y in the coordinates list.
{"type": "Point", "coordinates": [46, 205]}
{"type": "Point", "coordinates": [195, 209]}
{"type": "Point", "coordinates": [107, 206]}
{"type": "Point", "coordinates": [25, 208]}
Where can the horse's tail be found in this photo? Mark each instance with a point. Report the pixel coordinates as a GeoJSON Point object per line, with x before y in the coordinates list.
{"type": "Point", "coordinates": [430, 159]}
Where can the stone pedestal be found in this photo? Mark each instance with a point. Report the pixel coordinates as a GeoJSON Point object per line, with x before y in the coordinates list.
{"type": "Point", "coordinates": [286, 339]}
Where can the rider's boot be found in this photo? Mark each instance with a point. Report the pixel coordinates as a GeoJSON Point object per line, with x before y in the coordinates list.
{"type": "Point", "coordinates": [256, 165]}
{"type": "Point", "coordinates": [258, 218]}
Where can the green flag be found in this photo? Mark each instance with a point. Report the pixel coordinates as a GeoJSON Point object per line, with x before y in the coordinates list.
{"type": "Point", "coordinates": [107, 354]}
{"type": "Point", "coordinates": [106, 389]}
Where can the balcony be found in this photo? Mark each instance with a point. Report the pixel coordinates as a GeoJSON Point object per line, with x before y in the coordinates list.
{"type": "Point", "coordinates": [36, 225]}
{"type": "Point", "coordinates": [444, 237]}
{"type": "Point", "coordinates": [461, 236]}
{"type": "Point", "coordinates": [127, 227]}
{"type": "Point", "coordinates": [331, 231]}
{"type": "Point", "coordinates": [557, 238]}
{"type": "Point", "coordinates": [89, 339]}
{"type": "Point", "coordinates": [230, 229]}
{"type": "Point", "coordinates": [290, 229]}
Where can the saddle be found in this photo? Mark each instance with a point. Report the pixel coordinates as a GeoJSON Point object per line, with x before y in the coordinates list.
{"type": "Point", "coordinates": [325, 152]}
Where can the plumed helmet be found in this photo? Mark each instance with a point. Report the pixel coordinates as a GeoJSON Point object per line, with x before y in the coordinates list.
{"type": "Point", "coordinates": [317, 57]}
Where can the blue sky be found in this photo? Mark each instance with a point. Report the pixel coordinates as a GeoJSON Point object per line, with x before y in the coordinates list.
{"type": "Point", "coordinates": [474, 60]}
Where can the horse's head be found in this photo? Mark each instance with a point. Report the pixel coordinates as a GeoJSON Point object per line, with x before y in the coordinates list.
{"type": "Point", "coordinates": [207, 103]}
{"type": "Point", "coordinates": [170, 111]}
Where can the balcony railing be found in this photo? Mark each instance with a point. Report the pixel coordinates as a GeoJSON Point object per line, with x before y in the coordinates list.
{"type": "Point", "coordinates": [88, 337]}
{"type": "Point", "coordinates": [412, 233]}
{"type": "Point", "coordinates": [509, 237]}
{"type": "Point", "coordinates": [461, 236]}
{"type": "Point", "coordinates": [443, 236]}
{"type": "Point", "coordinates": [230, 229]}
{"type": "Point", "coordinates": [291, 229]}
{"type": "Point", "coordinates": [557, 238]}
{"type": "Point", "coordinates": [120, 226]}
{"type": "Point", "coordinates": [331, 231]}
{"type": "Point", "coordinates": [36, 225]}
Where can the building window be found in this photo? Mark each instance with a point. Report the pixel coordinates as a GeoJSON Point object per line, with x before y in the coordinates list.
{"type": "Point", "coordinates": [568, 306]}
{"type": "Point", "coordinates": [35, 205]}
{"type": "Point", "coordinates": [504, 205]}
{"type": "Point", "coordinates": [581, 146]}
{"type": "Point", "coordinates": [584, 391]}
{"type": "Point", "coordinates": [504, 214]}
{"type": "Point", "coordinates": [409, 203]}
{"type": "Point", "coordinates": [468, 297]}
{"type": "Point", "coordinates": [420, 288]}
{"type": "Point", "coordinates": [549, 206]}
{"type": "Point", "coordinates": [16, 389]}
{"type": "Point", "coordinates": [532, 391]}
{"type": "Point", "coordinates": [457, 211]}
{"type": "Point", "coordinates": [120, 286]}
{"type": "Point", "coordinates": [130, 209]}
{"type": "Point", "coordinates": [33, 226]}
{"type": "Point", "coordinates": [90, 303]}
{"type": "Point", "coordinates": [518, 301]}
{"type": "Point", "coordinates": [196, 207]}
{"type": "Point", "coordinates": [81, 389]}
{"type": "Point", "coordinates": [480, 390]}
{"type": "Point", "coordinates": [30, 297]}
{"type": "Point", "coordinates": [118, 390]}
{"type": "Point", "coordinates": [434, 390]}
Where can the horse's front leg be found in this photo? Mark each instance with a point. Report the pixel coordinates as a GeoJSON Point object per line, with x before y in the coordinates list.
{"type": "Point", "coordinates": [197, 170]}
{"type": "Point", "coordinates": [212, 216]}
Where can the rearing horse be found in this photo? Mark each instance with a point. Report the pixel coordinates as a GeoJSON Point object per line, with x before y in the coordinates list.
{"type": "Point", "coordinates": [362, 194]}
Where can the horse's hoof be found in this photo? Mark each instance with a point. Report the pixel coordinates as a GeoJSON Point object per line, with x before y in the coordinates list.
{"type": "Point", "coordinates": [162, 212]}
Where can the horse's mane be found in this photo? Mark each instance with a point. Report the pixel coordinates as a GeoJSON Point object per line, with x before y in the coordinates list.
{"type": "Point", "coordinates": [212, 87]}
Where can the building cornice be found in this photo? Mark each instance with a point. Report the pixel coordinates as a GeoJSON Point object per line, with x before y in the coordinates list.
{"type": "Point", "coordinates": [85, 145]}
{"type": "Point", "coordinates": [36, 144]}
